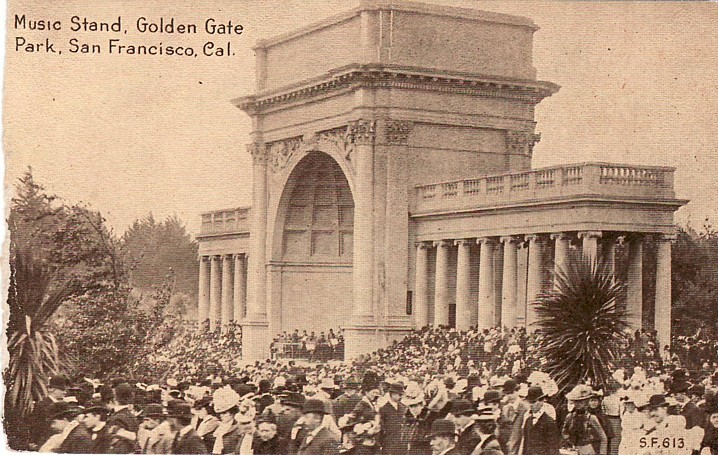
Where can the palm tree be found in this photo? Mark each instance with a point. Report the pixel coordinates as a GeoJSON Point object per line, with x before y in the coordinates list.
{"type": "Point", "coordinates": [32, 298]}
{"type": "Point", "coordinates": [581, 328]}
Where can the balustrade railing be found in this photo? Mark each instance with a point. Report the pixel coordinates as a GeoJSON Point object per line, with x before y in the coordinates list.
{"type": "Point", "coordinates": [225, 221]}
{"type": "Point", "coordinates": [576, 179]}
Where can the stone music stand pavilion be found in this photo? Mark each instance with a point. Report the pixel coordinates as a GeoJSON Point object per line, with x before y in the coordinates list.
{"type": "Point", "coordinates": [393, 188]}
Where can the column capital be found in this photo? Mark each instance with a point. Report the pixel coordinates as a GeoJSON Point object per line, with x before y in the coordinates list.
{"type": "Point", "coordinates": [423, 245]}
{"type": "Point", "coordinates": [258, 150]}
{"type": "Point", "coordinates": [363, 131]}
{"type": "Point", "coordinates": [486, 241]}
{"type": "Point", "coordinates": [463, 242]}
{"type": "Point", "coordinates": [590, 234]}
{"type": "Point", "coordinates": [510, 239]}
{"type": "Point", "coordinates": [533, 238]}
{"type": "Point", "coordinates": [239, 256]}
{"type": "Point", "coordinates": [560, 236]}
{"type": "Point", "coordinates": [397, 131]}
{"type": "Point", "coordinates": [204, 258]}
{"type": "Point", "coordinates": [670, 238]}
{"type": "Point", "coordinates": [442, 243]}
{"type": "Point", "coordinates": [217, 257]}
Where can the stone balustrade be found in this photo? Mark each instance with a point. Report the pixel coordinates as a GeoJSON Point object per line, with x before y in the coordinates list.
{"type": "Point", "coordinates": [584, 179]}
{"type": "Point", "coordinates": [225, 221]}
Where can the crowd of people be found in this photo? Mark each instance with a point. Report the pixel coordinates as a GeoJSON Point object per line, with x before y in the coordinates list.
{"type": "Point", "coordinates": [437, 391]}
{"type": "Point", "coordinates": [309, 346]}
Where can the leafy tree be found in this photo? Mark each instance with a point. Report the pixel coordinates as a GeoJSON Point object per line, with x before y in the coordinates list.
{"type": "Point", "coordinates": [155, 249]}
{"type": "Point", "coordinates": [33, 297]}
{"type": "Point", "coordinates": [581, 328]}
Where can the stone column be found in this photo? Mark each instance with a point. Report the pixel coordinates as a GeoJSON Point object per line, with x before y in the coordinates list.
{"type": "Point", "coordinates": [227, 291]}
{"type": "Point", "coordinates": [441, 286]}
{"type": "Point", "coordinates": [215, 292]}
{"type": "Point", "coordinates": [634, 285]}
{"type": "Point", "coordinates": [608, 253]}
{"type": "Point", "coordinates": [498, 267]}
{"type": "Point", "coordinates": [464, 316]}
{"type": "Point", "coordinates": [561, 247]}
{"type": "Point", "coordinates": [421, 285]}
{"type": "Point", "coordinates": [663, 290]}
{"type": "Point", "coordinates": [255, 336]}
{"type": "Point", "coordinates": [359, 334]}
{"type": "Point", "coordinates": [487, 301]}
{"type": "Point", "coordinates": [362, 272]}
{"type": "Point", "coordinates": [533, 279]}
{"type": "Point", "coordinates": [240, 288]}
{"type": "Point", "coordinates": [204, 279]}
{"type": "Point", "coordinates": [590, 244]}
{"type": "Point", "coordinates": [508, 287]}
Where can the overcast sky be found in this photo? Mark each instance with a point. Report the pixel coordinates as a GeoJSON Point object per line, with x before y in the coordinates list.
{"type": "Point", "coordinates": [130, 135]}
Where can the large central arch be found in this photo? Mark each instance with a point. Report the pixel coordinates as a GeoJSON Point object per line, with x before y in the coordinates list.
{"type": "Point", "coordinates": [312, 246]}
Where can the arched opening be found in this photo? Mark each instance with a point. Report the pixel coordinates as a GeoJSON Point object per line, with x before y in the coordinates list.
{"type": "Point", "coordinates": [313, 247]}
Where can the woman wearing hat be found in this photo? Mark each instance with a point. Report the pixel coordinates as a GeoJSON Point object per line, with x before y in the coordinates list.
{"type": "Point", "coordinates": [417, 421]}
{"type": "Point", "coordinates": [581, 429]}
{"type": "Point", "coordinates": [227, 434]}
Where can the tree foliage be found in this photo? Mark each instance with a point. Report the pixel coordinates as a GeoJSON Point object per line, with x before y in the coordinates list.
{"type": "Point", "coordinates": [581, 327]}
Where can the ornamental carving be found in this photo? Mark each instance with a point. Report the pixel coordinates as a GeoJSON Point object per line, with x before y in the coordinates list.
{"type": "Point", "coordinates": [521, 142]}
{"type": "Point", "coordinates": [397, 132]}
{"type": "Point", "coordinates": [362, 132]}
{"type": "Point", "coordinates": [258, 151]}
{"type": "Point", "coordinates": [280, 152]}
{"type": "Point", "coordinates": [339, 140]}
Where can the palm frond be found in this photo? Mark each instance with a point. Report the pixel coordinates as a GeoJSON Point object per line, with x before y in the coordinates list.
{"type": "Point", "coordinates": [581, 326]}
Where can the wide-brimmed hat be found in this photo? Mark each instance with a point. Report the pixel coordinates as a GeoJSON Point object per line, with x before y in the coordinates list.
{"type": "Point", "coordinates": [442, 427]}
{"type": "Point", "coordinates": [179, 408]}
{"type": "Point", "coordinates": [534, 394]}
{"type": "Point", "coordinates": [314, 405]}
{"type": "Point", "coordinates": [461, 407]}
{"type": "Point", "coordinates": [487, 413]}
{"type": "Point", "coordinates": [327, 383]}
{"type": "Point", "coordinates": [224, 399]}
{"type": "Point", "coordinates": [63, 410]}
{"type": "Point", "coordinates": [396, 387]}
{"type": "Point", "coordinates": [656, 401]}
{"type": "Point", "coordinates": [510, 386]}
{"type": "Point", "coordinates": [491, 396]}
{"type": "Point", "coordinates": [580, 392]}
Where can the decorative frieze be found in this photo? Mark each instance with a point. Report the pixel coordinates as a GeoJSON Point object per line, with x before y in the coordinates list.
{"type": "Point", "coordinates": [339, 140]}
{"type": "Point", "coordinates": [258, 150]}
{"type": "Point", "coordinates": [397, 132]}
{"type": "Point", "coordinates": [363, 132]}
{"type": "Point", "coordinates": [521, 142]}
{"type": "Point", "coordinates": [280, 152]}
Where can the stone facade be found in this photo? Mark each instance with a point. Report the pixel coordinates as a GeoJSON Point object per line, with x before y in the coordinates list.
{"type": "Point", "coordinates": [392, 185]}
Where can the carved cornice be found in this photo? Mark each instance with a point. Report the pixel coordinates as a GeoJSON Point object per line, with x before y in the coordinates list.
{"type": "Point", "coordinates": [397, 132]}
{"type": "Point", "coordinates": [377, 76]}
{"type": "Point", "coordinates": [521, 142]}
{"type": "Point", "coordinates": [258, 150]}
{"type": "Point", "coordinates": [340, 140]}
{"type": "Point", "coordinates": [362, 132]}
{"type": "Point", "coordinates": [279, 152]}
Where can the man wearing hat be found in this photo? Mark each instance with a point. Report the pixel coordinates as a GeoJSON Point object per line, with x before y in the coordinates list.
{"type": "Point", "coordinates": [535, 432]}
{"type": "Point", "coordinates": [462, 413]}
{"type": "Point", "coordinates": [317, 440]}
{"type": "Point", "coordinates": [150, 433]}
{"type": "Point", "coordinates": [582, 430]}
{"type": "Point", "coordinates": [185, 439]}
{"type": "Point", "coordinates": [293, 403]}
{"type": "Point", "coordinates": [204, 421]}
{"type": "Point", "coordinates": [40, 429]}
{"type": "Point", "coordinates": [122, 423]}
{"type": "Point", "coordinates": [347, 401]}
{"type": "Point", "coordinates": [511, 408]}
{"type": "Point", "coordinates": [391, 416]}
{"type": "Point", "coordinates": [71, 436]}
{"type": "Point", "coordinates": [95, 420]}
{"type": "Point", "coordinates": [679, 390]}
{"type": "Point", "coordinates": [443, 438]}
{"type": "Point", "coordinates": [486, 418]}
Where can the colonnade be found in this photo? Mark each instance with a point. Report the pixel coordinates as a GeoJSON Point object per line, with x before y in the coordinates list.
{"type": "Point", "coordinates": [222, 289]}
{"type": "Point", "coordinates": [511, 275]}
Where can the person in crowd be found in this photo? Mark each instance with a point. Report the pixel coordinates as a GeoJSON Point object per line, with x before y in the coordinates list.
{"type": "Point", "coordinates": [511, 408]}
{"type": "Point", "coordinates": [595, 408]}
{"type": "Point", "coordinates": [40, 422]}
{"type": "Point", "coordinates": [417, 422]}
{"type": "Point", "coordinates": [293, 403]}
{"type": "Point", "coordinates": [95, 420]}
{"type": "Point", "coordinates": [679, 387]}
{"type": "Point", "coordinates": [227, 434]}
{"type": "Point", "coordinates": [122, 422]}
{"type": "Point", "coordinates": [204, 421]}
{"type": "Point", "coordinates": [391, 416]}
{"type": "Point", "coordinates": [152, 429]}
{"type": "Point", "coordinates": [443, 438]}
{"type": "Point", "coordinates": [266, 439]}
{"type": "Point", "coordinates": [709, 444]}
{"type": "Point", "coordinates": [462, 413]}
{"type": "Point", "coordinates": [348, 400]}
{"type": "Point", "coordinates": [70, 436]}
{"type": "Point", "coordinates": [317, 440]}
{"type": "Point", "coordinates": [486, 426]}
{"type": "Point", "coordinates": [366, 413]}
{"type": "Point", "coordinates": [184, 438]}
{"type": "Point", "coordinates": [536, 432]}
{"type": "Point", "coordinates": [582, 429]}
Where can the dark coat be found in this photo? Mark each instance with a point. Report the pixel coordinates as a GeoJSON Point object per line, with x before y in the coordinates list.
{"type": "Point", "coordinates": [125, 420]}
{"type": "Point", "coordinates": [415, 431]}
{"type": "Point", "coordinates": [101, 440]}
{"type": "Point", "coordinates": [272, 447]}
{"type": "Point", "coordinates": [694, 416]}
{"type": "Point", "coordinates": [324, 443]}
{"type": "Point", "coordinates": [189, 443]}
{"type": "Point", "coordinates": [40, 429]}
{"type": "Point", "coordinates": [490, 446]}
{"type": "Point", "coordinates": [345, 404]}
{"type": "Point", "coordinates": [391, 422]}
{"type": "Point", "coordinates": [468, 439]}
{"type": "Point", "coordinates": [540, 438]}
{"type": "Point", "coordinates": [77, 441]}
{"type": "Point", "coordinates": [230, 440]}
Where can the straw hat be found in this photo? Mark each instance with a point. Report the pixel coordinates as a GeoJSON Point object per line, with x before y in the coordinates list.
{"type": "Point", "coordinates": [224, 399]}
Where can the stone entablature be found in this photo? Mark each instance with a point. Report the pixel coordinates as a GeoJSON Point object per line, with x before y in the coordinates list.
{"type": "Point", "coordinates": [225, 221]}
{"type": "Point", "coordinates": [597, 180]}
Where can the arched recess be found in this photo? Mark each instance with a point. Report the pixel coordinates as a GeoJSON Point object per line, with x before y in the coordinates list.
{"type": "Point", "coordinates": [312, 246]}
